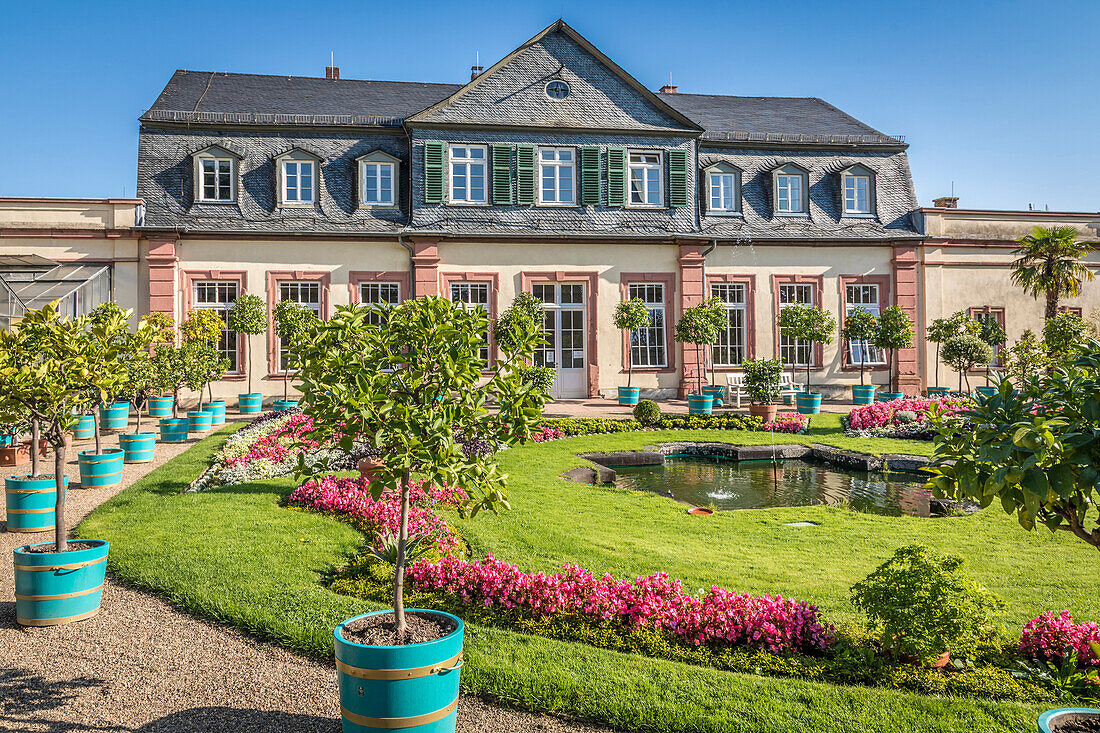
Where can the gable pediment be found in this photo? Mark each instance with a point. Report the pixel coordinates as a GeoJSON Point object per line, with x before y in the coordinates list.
{"type": "Point", "coordinates": [600, 94]}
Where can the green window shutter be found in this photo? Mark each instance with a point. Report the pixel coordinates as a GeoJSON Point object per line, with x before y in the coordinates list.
{"type": "Point", "coordinates": [590, 176]}
{"type": "Point", "coordinates": [502, 175]}
{"type": "Point", "coordinates": [433, 172]}
{"type": "Point", "coordinates": [616, 177]}
{"type": "Point", "coordinates": [677, 178]}
{"type": "Point", "coordinates": [525, 175]}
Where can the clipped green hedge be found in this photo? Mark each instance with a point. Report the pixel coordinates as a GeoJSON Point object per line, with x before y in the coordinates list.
{"type": "Point", "coordinates": [599, 425]}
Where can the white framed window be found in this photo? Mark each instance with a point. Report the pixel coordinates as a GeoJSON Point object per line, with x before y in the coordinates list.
{"type": "Point", "coordinates": [647, 345]}
{"type": "Point", "coordinates": [385, 295]}
{"type": "Point", "coordinates": [789, 194]}
{"type": "Point", "coordinates": [216, 181]}
{"type": "Point", "coordinates": [646, 179]}
{"type": "Point", "coordinates": [724, 190]}
{"type": "Point", "coordinates": [729, 350]}
{"type": "Point", "coordinates": [468, 174]}
{"type": "Point", "coordinates": [474, 295]}
{"type": "Point", "coordinates": [219, 297]}
{"type": "Point", "coordinates": [795, 352]}
{"type": "Point", "coordinates": [557, 176]}
{"type": "Point", "coordinates": [865, 296]}
{"type": "Point", "coordinates": [857, 194]}
{"type": "Point", "coordinates": [303, 292]}
{"type": "Point", "coordinates": [298, 181]}
{"type": "Point", "coordinates": [378, 181]}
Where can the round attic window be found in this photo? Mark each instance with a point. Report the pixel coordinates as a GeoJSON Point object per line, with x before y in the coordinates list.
{"type": "Point", "coordinates": [557, 89]}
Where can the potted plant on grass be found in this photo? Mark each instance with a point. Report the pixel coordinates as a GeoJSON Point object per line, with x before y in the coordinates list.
{"type": "Point", "coordinates": [895, 331]}
{"type": "Point", "coordinates": [859, 330]}
{"type": "Point", "coordinates": [56, 582]}
{"type": "Point", "coordinates": [715, 310]}
{"type": "Point", "coordinates": [201, 332]}
{"type": "Point", "coordinates": [815, 325]}
{"type": "Point", "coordinates": [381, 383]}
{"type": "Point", "coordinates": [293, 322]}
{"type": "Point", "coordinates": [631, 316]}
{"type": "Point", "coordinates": [965, 352]}
{"type": "Point", "coordinates": [248, 317]}
{"type": "Point", "coordinates": [696, 326]}
{"type": "Point", "coordinates": [762, 384]}
{"type": "Point", "coordinates": [104, 344]}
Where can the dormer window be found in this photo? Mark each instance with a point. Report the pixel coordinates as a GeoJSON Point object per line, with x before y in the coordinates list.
{"type": "Point", "coordinates": [378, 180]}
{"type": "Point", "coordinates": [216, 174]}
{"type": "Point", "coordinates": [646, 179]}
{"type": "Point", "coordinates": [297, 171]}
{"type": "Point", "coordinates": [723, 189]}
{"type": "Point", "coordinates": [790, 190]}
{"type": "Point", "coordinates": [858, 191]}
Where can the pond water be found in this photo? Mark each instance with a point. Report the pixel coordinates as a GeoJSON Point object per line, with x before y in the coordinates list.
{"type": "Point", "coordinates": [725, 484]}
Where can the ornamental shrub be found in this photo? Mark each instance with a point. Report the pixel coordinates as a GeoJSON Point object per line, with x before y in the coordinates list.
{"type": "Point", "coordinates": [1063, 335]}
{"type": "Point", "coordinates": [541, 377]}
{"type": "Point", "coordinates": [599, 425]}
{"type": "Point", "coordinates": [922, 605]}
{"type": "Point", "coordinates": [248, 316]}
{"type": "Point", "coordinates": [860, 325]}
{"type": "Point", "coordinates": [904, 417]}
{"type": "Point", "coordinates": [964, 353]}
{"type": "Point", "coordinates": [762, 380]}
{"type": "Point", "coordinates": [631, 315]}
{"type": "Point", "coordinates": [1052, 638]}
{"type": "Point", "coordinates": [647, 412]}
{"type": "Point", "coordinates": [881, 414]}
{"type": "Point", "coordinates": [807, 323]}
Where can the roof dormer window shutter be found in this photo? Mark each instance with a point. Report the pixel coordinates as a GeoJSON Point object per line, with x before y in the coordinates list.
{"type": "Point", "coordinates": [677, 178]}
{"type": "Point", "coordinates": [502, 175]}
{"type": "Point", "coordinates": [525, 175]}
{"type": "Point", "coordinates": [433, 172]}
{"type": "Point", "coordinates": [590, 176]}
{"type": "Point", "coordinates": [616, 177]}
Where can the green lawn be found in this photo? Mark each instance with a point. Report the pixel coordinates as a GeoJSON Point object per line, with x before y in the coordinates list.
{"type": "Point", "coordinates": [236, 556]}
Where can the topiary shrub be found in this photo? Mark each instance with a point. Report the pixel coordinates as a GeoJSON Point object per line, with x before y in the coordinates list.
{"type": "Point", "coordinates": [647, 412]}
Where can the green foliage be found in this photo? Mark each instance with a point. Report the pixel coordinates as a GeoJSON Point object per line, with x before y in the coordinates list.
{"type": "Point", "coordinates": [203, 364]}
{"type": "Point", "coordinates": [294, 323]}
{"type": "Point", "coordinates": [519, 319]}
{"type": "Point", "coordinates": [965, 352]}
{"type": "Point", "coordinates": [762, 380]}
{"type": "Point", "coordinates": [601, 425]}
{"type": "Point", "coordinates": [895, 329]}
{"type": "Point", "coordinates": [859, 325]}
{"type": "Point", "coordinates": [957, 324]}
{"type": "Point", "coordinates": [698, 325]}
{"type": "Point", "coordinates": [203, 326]}
{"type": "Point", "coordinates": [647, 413]}
{"type": "Point", "coordinates": [630, 315]}
{"type": "Point", "coordinates": [922, 605]}
{"type": "Point", "coordinates": [1063, 335]}
{"type": "Point", "coordinates": [540, 377]}
{"type": "Point", "coordinates": [1025, 358]}
{"type": "Point", "coordinates": [1034, 449]}
{"type": "Point", "coordinates": [1068, 683]}
{"type": "Point", "coordinates": [1048, 264]}
{"type": "Point", "coordinates": [904, 417]}
{"type": "Point", "coordinates": [807, 323]}
{"type": "Point", "coordinates": [170, 369]}
{"type": "Point", "coordinates": [992, 332]}
{"type": "Point", "coordinates": [248, 315]}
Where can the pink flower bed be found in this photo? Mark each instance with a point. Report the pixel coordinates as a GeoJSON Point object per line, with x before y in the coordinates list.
{"type": "Point", "coordinates": [1050, 636]}
{"type": "Point", "coordinates": [276, 445]}
{"type": "Point", "coordinates": [544, 434]}
{"type": "Point", "coordinates": [881, 414]}
{"type": "Point", "coordinates": [787, 422]}
{"type": "Point", "coordinates": [719, 616]}
{"type": "Point", "coordinates": [351, 496]}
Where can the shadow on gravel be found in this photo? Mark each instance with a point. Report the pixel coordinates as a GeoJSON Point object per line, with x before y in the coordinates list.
{"type": "Point", "coordinates": [25, 695]}
{"type": "Point", "coordinates": [239, 720]}
{"type": "Point", "coordinates": [7, 619]}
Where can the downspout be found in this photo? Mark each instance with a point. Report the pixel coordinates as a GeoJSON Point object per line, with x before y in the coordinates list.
{"type": "Point", "coordinates": [412, 263]}
{"type": "Point", "coordinates": [409, 199]}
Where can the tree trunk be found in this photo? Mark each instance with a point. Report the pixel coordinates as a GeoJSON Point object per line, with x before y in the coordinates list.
{"type": "Point", "coordinates": [98, 435]}
{"type": "Point", "coordinates": [1052, 304]}
{"type": "Point", "coordinates": [175, 403]}
{"type": "Point", "coordinates": [399, 566]}
{"type": "Point", "coordinates": [36, 440]}
{"type": "Point", "coordinates": [137, 409]}
{"type": "Point", "coordinates": [960, 381]}
{"type": "Point", "coordinates": [286, 381]}
{"type": "Point", "coordinates": [808, 376]}
{"type": "Point", "coordinates": [61, 541]}
{"type": "Point", "coordinates": [248, 363]}
{"type": "Point", "coordinates": [937, 363]}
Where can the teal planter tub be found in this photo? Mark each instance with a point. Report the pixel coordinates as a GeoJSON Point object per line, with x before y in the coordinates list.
{"type": "Point", "coordinates": [808, 403]}
{"type": "Point", "coordinates": [629, 395]}
{"type": "Point", "coordinates": [8, 440]}
{"type": "Point", "coordinates": [250, 404]}
{"type": "Point", "coordinates": [216, 410]}
{"type": "Point", "coordinates": [890, 396]}
{"type": "Point", "coordinates": [53, 588]}
{"type": "Point", "coordinates": [1049, 720]}
{"type": "Point", "coordinates": [717, 392]}
{"type": "Point", "coordinates": [987, 390]}
{"type": "Point", "coordinates": [283, 405]}
{"type": "Point", "coordinates": [700, 404]}
{"type": "Point", "coordinates": [934, 392]}
{"type": "Point", "coordinates": [98, 470]}
{"type": "Point", "coordinates": [160, 406]}
{"type": "Point", "coordinates": [413, 687]}
{"type": "Point", "coordinates": [137, 447]}
{"type": "Point", "coordinates": [173, 430]}
{"type": "Point", "coordinates": [114, 417]}
{"type": "Point", "coordinates": [30, 502]}
{"type": "Point", "coordinates": [85, 428]}
{"type": "Point", "coordinates": [199, 421]}
{"type": "Point", "coordinates": [863, 394]}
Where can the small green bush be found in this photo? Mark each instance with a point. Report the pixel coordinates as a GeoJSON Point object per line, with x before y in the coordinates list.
{"type": "Point", "coordinates": [540, 376]}
{"type": "Point", "coordinates": [600, 425]}
{"type": "Point", "coordinates": [647, 412]}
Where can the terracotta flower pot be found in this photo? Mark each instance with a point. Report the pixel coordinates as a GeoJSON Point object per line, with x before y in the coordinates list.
{"type": "Point", "coordinates": [766, 412]}
{"type": "Point", "coordinates": [369, 467]}
{"type": "Point", "coordinates": [701, 511]}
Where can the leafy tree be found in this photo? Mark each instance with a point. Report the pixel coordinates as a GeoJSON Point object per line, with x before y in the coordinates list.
{"type": "Point", "coordinates": [363, 382]}
{"type": "Point", "coordinates": [895, 331]}
{"type": "Point", "coordinates": [716, 311]}
{"type": "Point", "coordinates": [631, 315]}
{"type": "Point", "coordinates": [1064, 335]}
{"type": "Point", "coordinates": [807, 323]}
{"type": "Point", "coordinates": [1048, 264]}
{"type": "Point", "coordinates": [293, 323]}
{"type": "Point", "coordinates": [697, 326]}
{"type": "Point", "coordinates": [139, 371]}
{"type": "Point", "coordinates": [170, 368]}
{"type": "Point", "coordinates": [762, 380]}
{"type": "Point", "coordinates": [860, 325]}
{"type": "Point", "coordinates": [1033, 449]}
{"type": "Point", "coordinates": [203, 326]}
{"type": "Point", "coordinates": [106, 342]}
{"type": "Point", "coordinates": [963, 353]}
{"type": "Point", "coordinates": [248, 316]}
{"type": "Point", "coordinates": [942, 329]}
{"type": "Point", "coordinates": [525, 315]}
{"type": "Point", "coordinates": [204, 364]}
{"type": "Point", "coordinates": [993, 334]}
{"type": "Point", "coordinates": [1025, 358]}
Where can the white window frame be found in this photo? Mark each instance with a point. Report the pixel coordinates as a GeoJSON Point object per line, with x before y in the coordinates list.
{"type": "Point", "coordinates": [856, 349]}
{"type": "Point", "coordinates": [735, 194]}
{"type": "Point", "coordinates": [659, 167]}
{"type": "Point", "coordinates": [317, 308]}
{"type": "Point", "coordinates": [557, 165]}
{"type": "Point", "coordinates": [653, 339]}
{"type": "Point", "coordinates": [797, 345]}
{"type": "Point", "coordinates": [298, 189]}
{"type": "Point", "coordinates": [853, 178]}
{"type": "Point", "coordinates": [378, 285]}
{"type": "Point", "coordinates": [200, 171]}
{"type": "Point", "coordinates": [470, 286]}
{"type": "Point", "coordinates": [221, 307]}
{"type": "Point", "coordinates": [732, 306]}
{"type": "Point", "coordinates": [779, 190]}
{"type": "Point", "coordinates": [390, 203]}
{"type": "Point", "coordinates": [467, 163]}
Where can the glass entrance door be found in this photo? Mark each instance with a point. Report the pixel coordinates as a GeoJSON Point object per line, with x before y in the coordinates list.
{"type": "Point", "coordinates": [565, 330]}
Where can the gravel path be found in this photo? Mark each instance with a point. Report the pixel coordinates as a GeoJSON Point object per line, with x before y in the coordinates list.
{"type": "Point", "coordinates": [109, 673]}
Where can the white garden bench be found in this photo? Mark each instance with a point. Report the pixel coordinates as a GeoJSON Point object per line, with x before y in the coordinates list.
{"type": "Point", "coordinates": [787, 386]}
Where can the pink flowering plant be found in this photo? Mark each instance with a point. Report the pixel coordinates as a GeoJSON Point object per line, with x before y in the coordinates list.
{"type": "Point", "coordinates": [1053, 637]}
{"type": "Point", "coordinates": [878, 420]}
{"type": "Point", "coordinates": [787, 422]}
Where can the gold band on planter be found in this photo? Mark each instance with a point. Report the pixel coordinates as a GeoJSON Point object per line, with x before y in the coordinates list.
{"type": "Point", "coordinates": [399, 674]}
{"type": "Point", "coordinates": [55, 621]}
{"type": "Point", "coordinates": [30, 511]}
{"type": "Point", "coordinates": [29, 529]}
{"type": "Point", "coordinates": [392, 723]}
{"type": "Point", "coordinates": [31, 491]}
{"type": "Point", "coordinates": [69, 566]}
{"type": "Point", "coordinates": [59, 596]}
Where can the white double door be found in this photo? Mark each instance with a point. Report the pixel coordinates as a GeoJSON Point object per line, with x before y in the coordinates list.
{"type": "Point", "coordinates": [565, 329]}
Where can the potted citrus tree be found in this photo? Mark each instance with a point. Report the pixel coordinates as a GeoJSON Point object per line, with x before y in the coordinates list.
{"type": "Point", "coordinates": [56, 582]}
{"type": "Point", "coordinates": [293, 322]}
{"type": "Point", "coordinates": [860, 329]}
{"type": "Point", "coordinates": [895, 331]}
{"type": "Point", "coordinates": [382, 383]}
{"type": "Point", "coordinates": [965, 352]}
{"type": "Point", "coordinates": [715, 310]}
{"type": "Point", "coordinates": [248, 317]}
{"type": "Point", "coordinates": [697, 326]}
{"type": "Point", "coordinates": [630, 315]}
{"type": "Point", "coordinates": [201, 332]}
{"type": "Point", "coordinates": [114, 413]}
{"type": "Point", "coordinates": [104, 344]}
{"type": "Point", "coordinates": [170, 369]}
{"type": "Point", "coordinates": [815, 325]}
{"type": "Point", "coordinates": [139, 377]}
{"type": "Point", "coordinates": [762, 384]}
{"type": "Point", "coordinates": [158, 404]}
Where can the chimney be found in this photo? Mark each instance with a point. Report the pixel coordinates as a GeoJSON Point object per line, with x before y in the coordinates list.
{"type": "Point", "coordinates": [946, 202]}
{"type": "Point", "coordinates": [332, 72]}
{"type": "Point", "coordinates": [668, 89]}
{"type": "Point", "coordinates": [475, 72]}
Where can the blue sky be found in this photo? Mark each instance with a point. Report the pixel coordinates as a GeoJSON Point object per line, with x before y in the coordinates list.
{"type": "Point", "coordinates": [999, 98]}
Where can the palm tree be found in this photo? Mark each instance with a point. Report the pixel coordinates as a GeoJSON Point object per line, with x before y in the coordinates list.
{"type": "Point", "coordinates": [1048, 264]}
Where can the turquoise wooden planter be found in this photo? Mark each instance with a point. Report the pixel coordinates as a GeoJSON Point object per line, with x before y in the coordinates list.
{"type": "Point", "coordinates": [807, 403]}
{"type": "Point", "coordinates": [114, 417]}
{"type": "Point", "coordinates": [8, 440]}
{"type": "Point", "coordinates": [700, 404]}
{"type": "Point", "coordinates": [413, 687]}
{"type": "Point", "coordinates": [54, 588]}
{"type": "Point", "coordinates": [1062, 715]}
{"type": "Point", "coordinates": [890, 396]}
{"type": "Point", "coordinates": [137, 447]}
{"type": "Point", "coordinates": [98, 470]}
{"type": "Point", "coordinates": [160, 406]}
{"type": "Point", "coordinates": [717, 393]}
{"type": "Point", "coordinates": [30, 502]}
{"type": "Point", "coordinates": [629, 395]}
{"type": "Point", "coordinates": [987, 390]}
{"type": "Point", "coordinates": [250, 404]}
{"type": "Point", "coordinates": [173, 430]}
{"type": "Point", "coordinates": [938, 391]}
{"type": "Point", "coordinates": [282, 405]}
{"type": "Point", "coordinates": [85, 428]}
{"type": "Point", "coordinates": [199, 421]}
{"type": "Point", "coordinates": [863, 394]}
{"type": "Point", "coordinates": [216, 410]}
